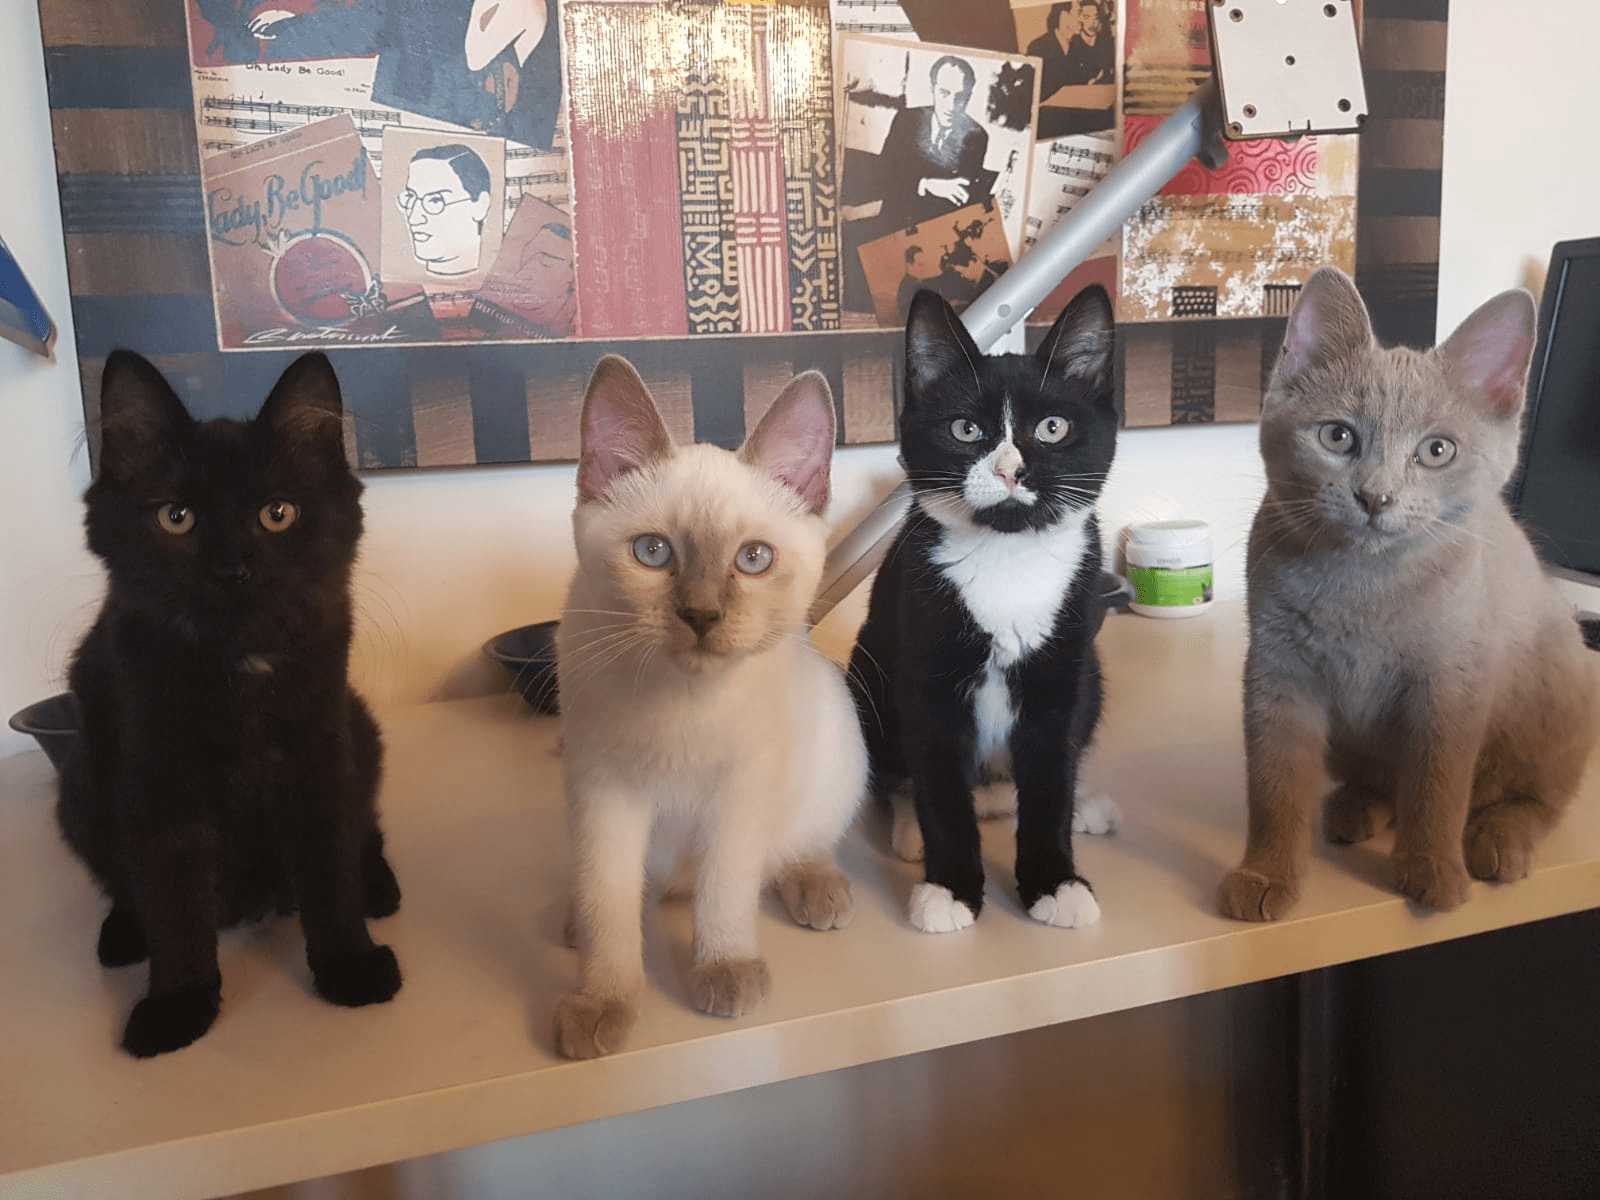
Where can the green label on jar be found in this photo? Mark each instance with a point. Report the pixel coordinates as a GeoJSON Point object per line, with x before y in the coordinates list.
{"type": "Point", "coordinates": [1170, 587]}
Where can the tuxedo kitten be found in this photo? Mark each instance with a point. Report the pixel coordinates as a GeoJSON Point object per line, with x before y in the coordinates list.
{"type": "Point", "coordinates": [1403, 637]}
{"type": "Point", "coordinates": [225, 768]}
{"type": "Point", "coordinates": [708, 745]}
{"type": "Point", "coordinates": [977, 657]}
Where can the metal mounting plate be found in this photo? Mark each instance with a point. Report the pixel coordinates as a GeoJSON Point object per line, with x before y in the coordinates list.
{"type": "Point", "coordinates": [1287, 67]}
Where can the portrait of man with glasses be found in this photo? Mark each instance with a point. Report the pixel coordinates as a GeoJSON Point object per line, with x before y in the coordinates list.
{"type": "Point", "coordinates": [447, 199]}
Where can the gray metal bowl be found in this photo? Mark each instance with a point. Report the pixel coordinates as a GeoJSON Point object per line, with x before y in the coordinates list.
{"type": "Point", "coordinates": [53, 723]}
{"type": "Point", "coordinates": [528, 655]}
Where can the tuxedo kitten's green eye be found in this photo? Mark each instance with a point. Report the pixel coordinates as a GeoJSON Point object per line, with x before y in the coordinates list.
{"type": "Point", "coordinates": [1338, 437]}
{"type": "Point", "coordinates": [652, 549]}
{"type": "Point", "coordinates": [1052, 429]}
{"type": "Point", "coordinates": [965, 430]}
{"type": "Point", "coordinates": [1434, 452]}
{"type": "Point", "coordinates": [175, 518]}
{"type": "Point", "coordinates": [278, 515]}
{"type": "Point", "coordinates": [753, 558]}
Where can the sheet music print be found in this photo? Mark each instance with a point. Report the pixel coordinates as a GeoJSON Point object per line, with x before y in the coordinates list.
{"type": "Point", "coordinates": [1064, 171]}
{"type": "Point", "coordinates": [882, 17]}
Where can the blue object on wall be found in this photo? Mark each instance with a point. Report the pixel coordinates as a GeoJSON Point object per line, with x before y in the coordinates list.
{"type": "Point", "coordinates": [23, 319]}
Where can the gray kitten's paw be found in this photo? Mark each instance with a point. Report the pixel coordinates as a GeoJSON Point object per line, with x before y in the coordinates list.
{"type": "Point", "coordinates": [1348, 815]}
{"type": "Point", "coordinates": [729, 987]}
{"type": "Point", "coordinates": [588, 1025]}
{"type": "Point", "coordinates": [1497, 849]}
{"type": "Point", "coordinates": [1433, 882]}
{"type": "Point", "coordinates": [1247, 895]}
{"type": "Point", "coordinates": [817, 896]}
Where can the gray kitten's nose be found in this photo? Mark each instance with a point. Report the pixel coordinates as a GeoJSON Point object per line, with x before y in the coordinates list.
{"type": "Point", "coordinates": [699, 619]}
{"type": "Point", "coordinates": [1374, 502]}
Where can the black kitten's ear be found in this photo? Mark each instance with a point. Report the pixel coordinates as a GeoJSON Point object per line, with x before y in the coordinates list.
{"type": "Point", "coordinates": [305, 407]}
{"type": "Point", "coordinates": [1329, 322]}
{"type": "Point", "coordinates": [622, 429]}
{"type": "Point", "coordinates": [140, 414]}
{"type": "Point", "coordinates": [1079, 344]}
{"type": "Point", "coordinates": [937, 344]}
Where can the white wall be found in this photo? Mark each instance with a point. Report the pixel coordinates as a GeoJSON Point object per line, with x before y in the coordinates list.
{"type": "Point", "coordinates": [452, 557]}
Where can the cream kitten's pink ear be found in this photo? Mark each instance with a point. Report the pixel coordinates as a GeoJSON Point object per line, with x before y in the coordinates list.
{"type": "Point", "coordinates": [1486, 358]}
{"type": "Point", "coordinates": [1329, 322]}
{"type": "Point", "coordinates": [622, 428]}
{"type": "Point", "coordinates": [794, 442]}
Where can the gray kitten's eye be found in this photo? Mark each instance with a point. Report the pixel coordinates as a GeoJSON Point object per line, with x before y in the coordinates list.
{"type": "Point", "coordinates": [965, 430]}
{"type": "Point", "coordinates": [1052, 429]}
{"type": "Point", "coordinates": [1338, 437]}
{"type": "Point", "coordinates": [175, 518]}
{"type": "Point", "coordinates": [652, 549]}
{"type": "Point", "coordinates": [1434, 452]}
{"type": "Point", "coordinates": [278, 515]}
{"type": "Point", "coordinates": [753, 558]}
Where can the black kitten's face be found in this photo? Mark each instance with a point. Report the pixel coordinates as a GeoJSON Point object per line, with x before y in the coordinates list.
{"type": "Point", "coordinates": [1012, 441]}
{"type": "Point", "coordinates": [210, 523]}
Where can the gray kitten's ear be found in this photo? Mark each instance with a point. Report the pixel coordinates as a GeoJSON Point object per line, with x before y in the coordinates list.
{"type": "Point", "coordinates": [1329, 322]}
{"type": "Point", "coordinates": [1079, 344]}
{"type": "Point", "coordinates": [140, 414]}
{"type": "Point", "coordinates": [794, 441]}
{"type": "Point", "coordinates": [622, 428]}
{"type": "Point", "coordinates": [937, 344]}
{"type": "Point", "coordinates": [1486, 358]}
{"type": "Point", "coordinates": [305, 407]}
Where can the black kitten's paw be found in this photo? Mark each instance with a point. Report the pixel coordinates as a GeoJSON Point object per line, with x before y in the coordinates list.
{"type": "Point", "coordinates": [369, 976]}
{"type": "Point", "coordinates": [121, 940]}
{"type": "Point", "coordinates": [380, 890]}
{"type": "Point", "coordinates": [161, 1024]}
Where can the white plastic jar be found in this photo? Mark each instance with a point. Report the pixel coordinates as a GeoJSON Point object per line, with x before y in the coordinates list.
{"type": "Point", "coordinates": [1169, 565]}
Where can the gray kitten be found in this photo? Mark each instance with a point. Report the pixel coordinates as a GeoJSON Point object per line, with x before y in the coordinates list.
{"type": "Point", "coordinates": [1403, 636]}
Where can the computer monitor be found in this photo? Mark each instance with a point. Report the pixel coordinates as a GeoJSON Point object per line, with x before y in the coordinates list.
{"type": "Point", "coordinates": [1556, 489]}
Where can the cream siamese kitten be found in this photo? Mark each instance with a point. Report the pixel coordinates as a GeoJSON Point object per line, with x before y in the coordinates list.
{"type": "Point", "coordinates": [1403, 637]}
{"type": "Point", "coordinates": [709, 746]}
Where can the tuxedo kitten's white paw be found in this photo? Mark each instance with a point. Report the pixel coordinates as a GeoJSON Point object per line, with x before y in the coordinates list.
{"type": "Point", "coordinates": [907, 835]}
{"type": "Point", "coordinates": [935, 910]}
{"type": "Point", "coordinates": [1069, 906]}
{"type": "Point", "coordinates": [1096, 814]}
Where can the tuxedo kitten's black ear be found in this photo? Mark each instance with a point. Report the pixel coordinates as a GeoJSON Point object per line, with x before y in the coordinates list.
{"type": "Point", "coordinates": [1329, 322]}
{"type": "Point", "coordinates": [1080, 342]}
{"type": "Point", "coordinates": [794, 441]}
{"type": "Point", "coordinates": [622, 428]}
{"type": "Point", "coordinates": [140, 415]}
{"type": "Point", "coordinates": [1486, 358]}
{"type": "Point", "coordinates": [305, 407]}
{"type": "Point", "coordinates": [937, 344]}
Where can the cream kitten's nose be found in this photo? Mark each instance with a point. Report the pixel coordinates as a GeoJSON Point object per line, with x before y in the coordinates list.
{"type": "Point", "coordinates": [699, 619]}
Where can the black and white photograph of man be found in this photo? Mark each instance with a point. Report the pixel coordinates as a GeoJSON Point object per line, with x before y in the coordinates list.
{"type": "Point", "coordinates": [1075, 41]}
{"type": "Point", "coordinates": [443, 207]}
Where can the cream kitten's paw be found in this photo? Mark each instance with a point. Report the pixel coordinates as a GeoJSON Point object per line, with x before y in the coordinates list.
{"type": "Point", "coordinates": [1069, 906]}
{"type": "Point", "coordinates": [817, 896]}
{"type": "Point", "coordinates": [934, 909]}
{"type": "Point", "coordinates": [1096, 814]}
{"type": "Point", "coordinates": [729, 987]}
{"type": "Point", "coordinates": [1431, 881]}
{"type": "Point", "coordinates": [907, 836]}
{"type": "Point", "coordinates": [1247, 895]}
{"type": "Point", "coordinates": [588, 1025]}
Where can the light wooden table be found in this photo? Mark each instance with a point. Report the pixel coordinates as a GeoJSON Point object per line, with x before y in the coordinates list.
{"type": "Point", "coordinates": [286, 1087]}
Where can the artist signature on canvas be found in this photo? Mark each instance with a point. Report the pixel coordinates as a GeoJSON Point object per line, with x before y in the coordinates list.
{"type": "Point", "coordinates": [324, 333]}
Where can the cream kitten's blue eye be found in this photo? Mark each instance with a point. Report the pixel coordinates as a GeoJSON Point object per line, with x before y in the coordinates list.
{"type": "Point", "coordinates": [1434, 452]}
{"type": "Point", "coordinates": [753, 558]}
{"type": "Point", "coordinates": [652, 549]}
{"type": "Point", "coordinates": [1337, 436]}
{"type": "Point", "coordinates": [964, 430]}
{"type": "Point", "coordinates": [1052, 429]}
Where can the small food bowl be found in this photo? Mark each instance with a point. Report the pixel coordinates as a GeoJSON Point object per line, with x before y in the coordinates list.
{"type": "Point", "coordinates": [53, 723]}
{"type": "Point", "coordinates": [528, 655]}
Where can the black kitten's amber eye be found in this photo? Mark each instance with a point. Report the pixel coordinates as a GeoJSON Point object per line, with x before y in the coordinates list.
{"type": "Point", "coordinates": [278, 515]}
{"type": "Point", "coordinates": [1052, 429]}
{"type": "Point", "coordinates": [1337, 436]}
{"type": "Point", "coordinates": [175, 518]}
{"type": "Point", "coordinates": [964, 430]}
{"type": "Point", "coordinates": [1434, 451]}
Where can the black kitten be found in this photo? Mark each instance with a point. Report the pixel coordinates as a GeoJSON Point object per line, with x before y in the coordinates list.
{"type": "Point", "coordinates": [977, 657]}
{"type": "Point", "coordinates": [225, 770]}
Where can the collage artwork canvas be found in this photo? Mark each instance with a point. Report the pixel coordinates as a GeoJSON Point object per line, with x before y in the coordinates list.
{"type": "Point", "coordinates": [468, 202]}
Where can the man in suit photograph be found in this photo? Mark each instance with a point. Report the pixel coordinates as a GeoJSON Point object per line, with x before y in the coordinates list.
{"type": "Point", "coordinates": [932, 158]}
